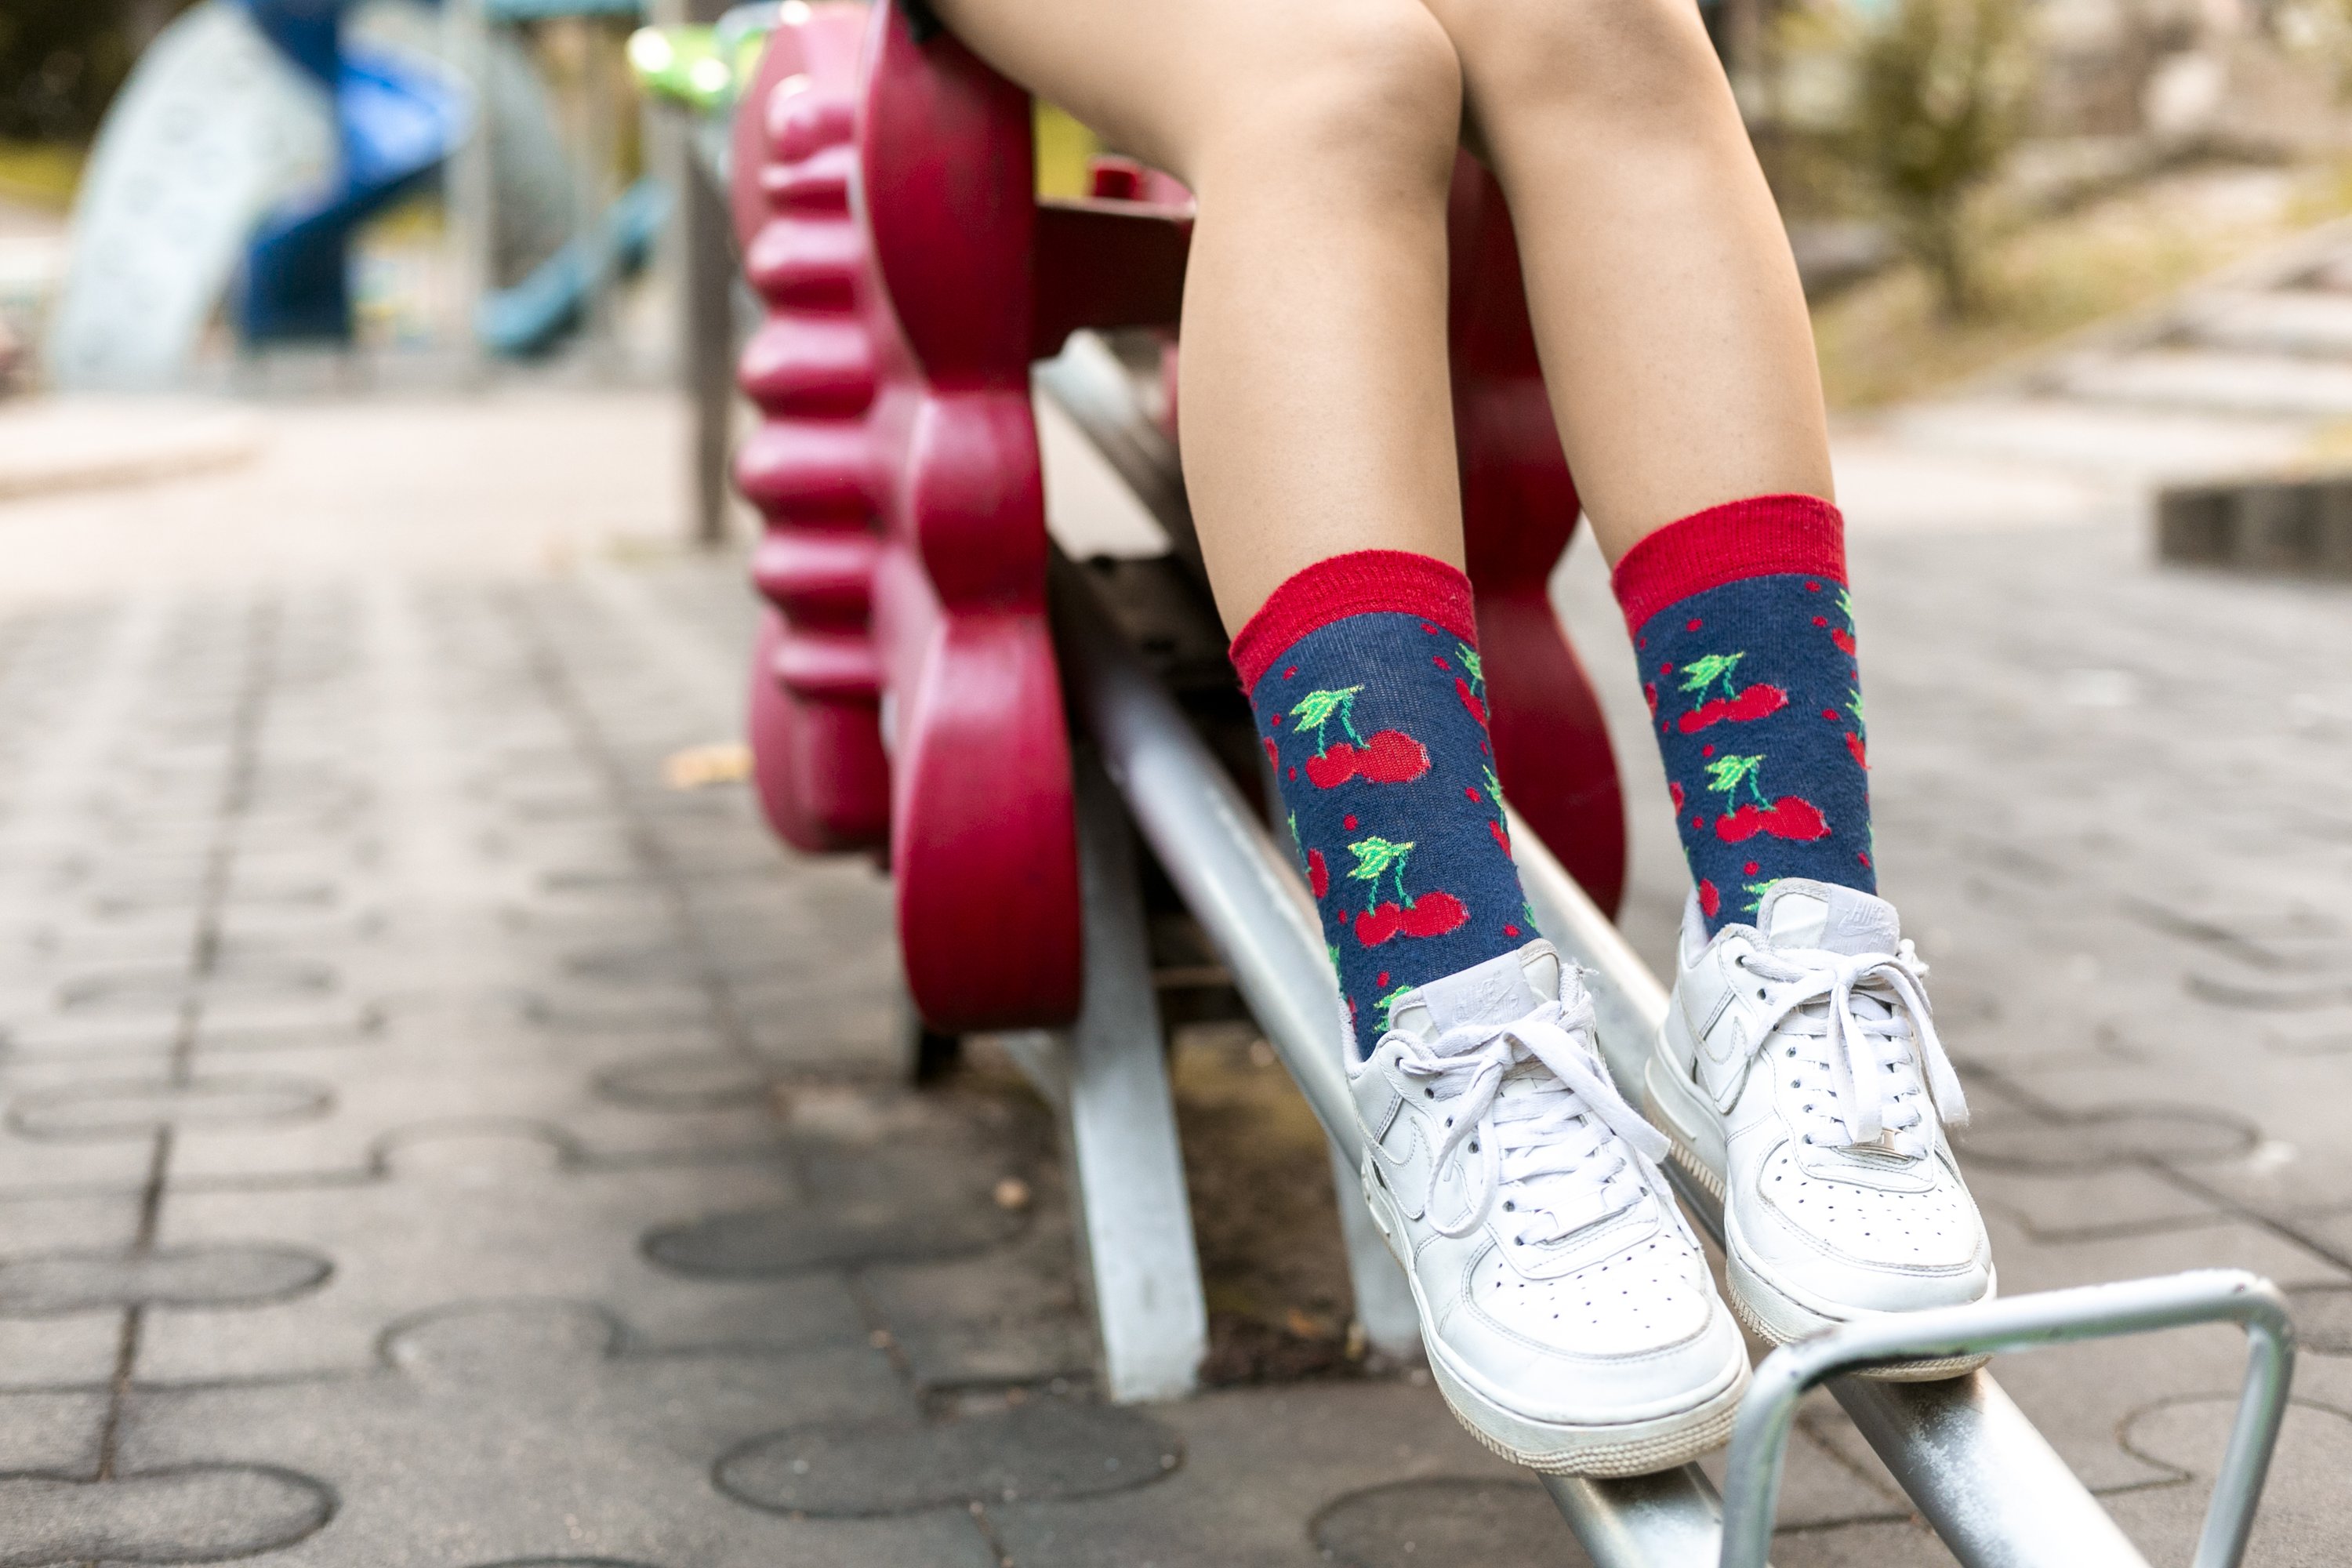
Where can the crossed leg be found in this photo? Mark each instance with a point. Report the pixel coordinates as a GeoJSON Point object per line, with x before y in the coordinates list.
{"type": "Point", "coordinates": [1319, 135]}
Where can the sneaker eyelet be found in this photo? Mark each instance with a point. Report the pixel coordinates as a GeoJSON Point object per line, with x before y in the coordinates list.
{"type": "Point", "coordinates": [1473, 1148]}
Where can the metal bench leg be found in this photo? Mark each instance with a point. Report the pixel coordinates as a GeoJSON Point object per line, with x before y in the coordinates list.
{"type": "Point", "coordinates": [1107, 1077]}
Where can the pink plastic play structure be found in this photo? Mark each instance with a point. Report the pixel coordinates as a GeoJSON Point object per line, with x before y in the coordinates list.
{"type": "Point", "coordinates": [905, 696]}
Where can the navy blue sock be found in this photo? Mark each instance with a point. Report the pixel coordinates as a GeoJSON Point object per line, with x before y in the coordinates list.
{"type": "Point", "coordinates": [1744, 639]}
{"type": "Point", "coordinates": [1370, 701]}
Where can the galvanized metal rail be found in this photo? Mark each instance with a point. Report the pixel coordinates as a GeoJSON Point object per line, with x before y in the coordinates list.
{"type": "Point", "coordinates": [1989, 1483]}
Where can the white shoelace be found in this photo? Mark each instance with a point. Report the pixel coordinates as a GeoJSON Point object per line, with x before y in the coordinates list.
{"type": "Point", "coordinates": [1542, 1115]}
{"type": "Point", "coordinates": [1875, 1053]}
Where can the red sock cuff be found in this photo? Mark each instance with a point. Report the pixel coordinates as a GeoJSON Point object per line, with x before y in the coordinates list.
{"type": "Point", "coordinates": [1762, 536]}
{"type": "Point", "coordinates": [1364, 581]}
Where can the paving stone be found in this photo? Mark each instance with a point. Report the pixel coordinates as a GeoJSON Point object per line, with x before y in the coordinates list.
{"type": "Point", "coordinates": [2065, 1206]}
{"type": "Point", "coordinates": [137, 1108]}
{"type": "Point", "coordinates": [51, 1432]}
{"type": "Point", "coordinates": [38, 1347]}
{"type": "Point", "coordinates": [197, 1513]}
{"type": "Point", "coordinates": [418, 1077]}
{"type": "Point", "coordinates": [1039, 1451]}
{"type": "Point", "coordinates": [1502, 1524]}
{"type": "Point", "coordinates": [770, 1243]}
{"type": "Point", "coordinates": [472, 1213]}
{"type": "Point", "coordinates": [506, 1433]}
{"type": "Point", "coordinates": [54, 1283]}
{"type": "Point", "coordinates": [2301, 1520]}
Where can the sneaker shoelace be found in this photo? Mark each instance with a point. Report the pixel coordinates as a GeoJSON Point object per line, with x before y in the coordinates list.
{"type": "Point", "coordinates": [1867, 1015]}
{"type": "Point", "coordinates": [1532, 1100]}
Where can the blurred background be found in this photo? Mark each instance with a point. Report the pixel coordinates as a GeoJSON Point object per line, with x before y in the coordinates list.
{"type": "Point", "coordinates": [380, 876]}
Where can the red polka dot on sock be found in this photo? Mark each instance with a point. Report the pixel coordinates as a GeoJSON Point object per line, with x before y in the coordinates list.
{"type": "Point", "coordinates": [1750, 870]}
{"type": "Point", "coordinates": [1291, 671]}
{"type": "Point", "coordinates": [1348, 822]}
{"type": "Point", "coordinates": [1695, 625]}
{"type": "Point", "coordinates": [1469, 791]}
{"type": "Point", "coordinates": [1510, 930]}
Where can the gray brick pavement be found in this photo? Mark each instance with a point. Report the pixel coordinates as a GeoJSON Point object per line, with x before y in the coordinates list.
{"type": "Point", "coordinates": [427, 1139]}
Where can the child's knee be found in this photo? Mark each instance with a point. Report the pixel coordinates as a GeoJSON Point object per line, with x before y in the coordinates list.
{"type": "Point", "coordinates": [1365, 87]}
{"type": "Point", "coordinates": [1649, 58]}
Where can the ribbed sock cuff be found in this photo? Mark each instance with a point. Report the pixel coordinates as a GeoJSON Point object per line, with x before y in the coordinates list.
{"type": "Point", "coordinates": [1762, 536]}
{"type": "Point", "coordinates": [1364, 581]}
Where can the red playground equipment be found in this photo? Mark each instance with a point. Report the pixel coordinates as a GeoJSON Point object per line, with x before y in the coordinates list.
{"type": "Point", "coordinates": [906, 695]}
{"type": "Point", "coordinates": [926, 661]}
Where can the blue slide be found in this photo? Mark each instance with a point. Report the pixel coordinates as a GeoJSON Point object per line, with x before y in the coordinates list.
{"type": "Point", "coordinates": [394, 123]}
{"type": "Point", "coordinates": [253, 138]}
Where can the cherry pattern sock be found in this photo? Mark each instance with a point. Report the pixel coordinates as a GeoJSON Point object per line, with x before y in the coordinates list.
{"type": "Point", "coordinates": [1363, 671]}
{"type": "Point", "coordinates": [1745, 638]}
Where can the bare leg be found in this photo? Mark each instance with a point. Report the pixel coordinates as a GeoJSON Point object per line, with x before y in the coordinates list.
{"type": "Point", "coordinates": [1318, 136]}
{"type": "Point", "coordinates": [1666, 305]}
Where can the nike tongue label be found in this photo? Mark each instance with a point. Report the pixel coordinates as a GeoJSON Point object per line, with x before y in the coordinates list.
{"type": "Point", "coordinates": [1836, 920]}
{"type": "Point", "coordinates": [1494, 992]}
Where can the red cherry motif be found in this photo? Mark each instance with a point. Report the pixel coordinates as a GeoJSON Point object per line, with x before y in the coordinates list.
{"type": "Point", "coordinates": [1845, 640]}
{"type": "Point", "coordinates": [1790, 816]}
{"type": "Point", "coordinates": [1709, 901]}
{"type": "Point", "coordinates": [1432, 914]}
{"type": "Point", "coordinates": [1756, 702]}
{"type": "Point", "coordinates": [1319, 873]}
{"type": "Point", "coordinates": [1390, 756]}
{"type": "Point", "coordinates": [1469, 699]}
{"type": "Point", "coordinates": [1853, 744]}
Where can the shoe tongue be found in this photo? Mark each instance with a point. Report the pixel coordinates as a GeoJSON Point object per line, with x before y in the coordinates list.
{"type": "Point", "coordinates": [1499, 990]}
{"type": "Point", "coordinates": [1797, 913]}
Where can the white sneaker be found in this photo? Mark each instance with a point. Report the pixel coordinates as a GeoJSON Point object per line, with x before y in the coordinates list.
{"type": "Point", "coordinates": [1567, 1309]}
{"type": "Point", "coordinates": [1799, 1076]}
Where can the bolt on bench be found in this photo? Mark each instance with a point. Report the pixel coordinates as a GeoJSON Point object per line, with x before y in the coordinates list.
{"type": "Point", "coordinates": [933, 681]}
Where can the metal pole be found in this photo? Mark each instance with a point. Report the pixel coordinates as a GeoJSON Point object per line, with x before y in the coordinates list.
{"type": "Point", "coordinates": [700, 263]}
{"type": "Point", "coordinates": [470, 194]}
{"type": "Point", "coordinates": [1758, 1442]}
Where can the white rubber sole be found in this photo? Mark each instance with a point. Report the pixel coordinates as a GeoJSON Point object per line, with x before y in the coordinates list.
{"type": "Point", "coordinates": [1558, 1448]}
{"type": "Point", "coordinates": [1695, 1133]}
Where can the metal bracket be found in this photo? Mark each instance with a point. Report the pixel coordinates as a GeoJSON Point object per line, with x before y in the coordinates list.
{"type": "Point", "coordinates": [1107, 1079]}
{"type": "Point", "coordinates": [1760, 1441]}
